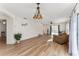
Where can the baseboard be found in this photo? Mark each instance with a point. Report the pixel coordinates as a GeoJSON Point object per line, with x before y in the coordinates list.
{"type": "Point", "coordinates": [31, 37]}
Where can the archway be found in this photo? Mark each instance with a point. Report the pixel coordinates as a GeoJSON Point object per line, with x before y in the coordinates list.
{"type": "Point", "coordinates": [6, 20]}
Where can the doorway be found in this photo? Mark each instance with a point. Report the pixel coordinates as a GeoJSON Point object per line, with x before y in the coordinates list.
{"type": "Point", "coordinates": [3, 31]}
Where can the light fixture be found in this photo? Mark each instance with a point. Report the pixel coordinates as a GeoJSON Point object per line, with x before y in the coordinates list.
{"type": "Point", "coordinates": [4, 22]}
{"type": "Point", "coordinates": [37, 15]}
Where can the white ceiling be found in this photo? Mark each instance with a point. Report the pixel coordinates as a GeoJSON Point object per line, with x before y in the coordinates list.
{"type": "Point", "coordinates": [49, 10]}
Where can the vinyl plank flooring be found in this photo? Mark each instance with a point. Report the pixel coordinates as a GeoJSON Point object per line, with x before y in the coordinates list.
{"type": "Point", "coordinates": [37, 46]}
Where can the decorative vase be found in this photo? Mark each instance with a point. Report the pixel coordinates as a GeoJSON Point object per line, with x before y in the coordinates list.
{"type": "Point", "coordinates": [18, 41]}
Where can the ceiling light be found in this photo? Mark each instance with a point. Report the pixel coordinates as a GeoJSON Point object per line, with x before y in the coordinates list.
{"type": "Point", "coordinates": [37, 15]}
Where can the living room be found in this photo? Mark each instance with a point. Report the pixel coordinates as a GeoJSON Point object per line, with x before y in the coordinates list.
{"type": "Point", "coordinates": [51, 32]}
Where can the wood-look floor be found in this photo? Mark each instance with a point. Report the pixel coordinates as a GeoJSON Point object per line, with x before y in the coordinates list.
{"type": "Point", "coordinates": [37, 46]}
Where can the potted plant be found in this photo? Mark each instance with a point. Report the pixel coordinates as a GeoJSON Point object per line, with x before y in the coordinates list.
{"type": "Point", "coordinates": [18, 37]}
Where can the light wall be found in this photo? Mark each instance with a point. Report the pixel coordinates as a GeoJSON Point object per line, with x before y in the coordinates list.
{"type": "Point", "coordinates": [10, 31]}
{"type": "Point", "coordinates": [28, 28]}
